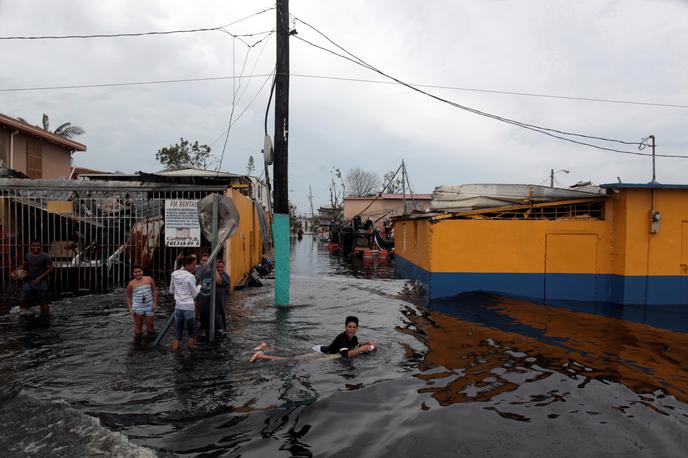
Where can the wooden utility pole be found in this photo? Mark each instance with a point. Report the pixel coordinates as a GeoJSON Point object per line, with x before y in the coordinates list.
{"type": "Point", "coordinates": [281, 229]}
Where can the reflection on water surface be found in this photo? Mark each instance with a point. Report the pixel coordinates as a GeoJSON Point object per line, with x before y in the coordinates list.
{"type": "Point", "coordinates": [484, 376]}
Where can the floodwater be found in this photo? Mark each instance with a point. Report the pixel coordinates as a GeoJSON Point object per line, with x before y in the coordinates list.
{"type": "Point", "coordinates": [473, 376]}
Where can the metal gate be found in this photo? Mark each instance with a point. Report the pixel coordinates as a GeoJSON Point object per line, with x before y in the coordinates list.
{"type": "Point", "coordinates": [94, 231]}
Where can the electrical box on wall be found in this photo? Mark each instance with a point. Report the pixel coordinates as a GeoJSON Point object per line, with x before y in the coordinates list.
{"type": "Point", "coordinates": [655, 217]}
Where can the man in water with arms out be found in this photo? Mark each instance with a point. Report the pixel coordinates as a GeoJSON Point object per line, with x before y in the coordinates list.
{"type": "Point", "coordinates": [345, 344]}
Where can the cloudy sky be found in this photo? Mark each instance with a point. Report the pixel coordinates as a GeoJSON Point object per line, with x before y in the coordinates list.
{"type": "Point", "coordinates": [631, 51]}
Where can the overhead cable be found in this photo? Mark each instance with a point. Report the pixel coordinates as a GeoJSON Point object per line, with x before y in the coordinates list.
{"type": "Point", "coordinates": [140, 34]}
{"type": "Point", "coordinates": [342, 78]}
{"type": "Point", "coordinates": [536, 128]}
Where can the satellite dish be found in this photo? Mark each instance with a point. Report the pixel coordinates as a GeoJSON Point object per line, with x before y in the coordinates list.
{"type": "Point", "coordinates": [227, 217]}
{"type": "Point", "coordinates": [267, 150]}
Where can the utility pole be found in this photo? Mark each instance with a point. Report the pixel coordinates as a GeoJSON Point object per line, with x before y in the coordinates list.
{"type": "Point", "coordinates": [652, 145]}
{"type": "Point", "coordinates": [310, 198]}
{"type": "Point", "coordinates": [281, 230]}
{"type": "Point", "coordinates": [551, 178]}
{"type": "Point", "coordinates": [403, 185]}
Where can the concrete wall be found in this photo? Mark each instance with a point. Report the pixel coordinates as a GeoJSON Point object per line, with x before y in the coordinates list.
{"type": "Point", "coordinates": [56, 161]}
{"type": "Point", "coordinates": [378, 208]}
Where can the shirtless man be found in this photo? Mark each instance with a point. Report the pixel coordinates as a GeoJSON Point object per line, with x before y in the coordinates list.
{"type": "Point", "coordinates": [345, 344]}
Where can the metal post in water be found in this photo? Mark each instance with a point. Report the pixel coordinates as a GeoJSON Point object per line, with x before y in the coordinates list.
{"type": "Point", "coordinates": [280, 228]}
{"type": "Point", "coordinates": [213, 268]}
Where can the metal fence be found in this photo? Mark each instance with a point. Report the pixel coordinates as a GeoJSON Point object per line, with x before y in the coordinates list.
{"type": "Point", "coordinates": [94, 231]}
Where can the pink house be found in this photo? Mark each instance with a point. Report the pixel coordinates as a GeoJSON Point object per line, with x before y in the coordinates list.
{"type": "Point", "coordinates": [35, 152]}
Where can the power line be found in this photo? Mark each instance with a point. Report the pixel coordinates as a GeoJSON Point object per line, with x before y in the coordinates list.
{"type": "Point", "coordinates": [252, 75]}
{"type": "Point", "coordinates": [540, 129]}
{"type": "Point", "coordinates": [269, 76]}
{"type": "Point", "coordinates": [128, 83]}
{"type": "Point", "coordinates": [133, 34]}
{"type": "Point", "coordinates": [234, 96]}
{"type": "Point", "coordinates": [493, 91]}
{"type": "Point", "coordinates": [141, 34]}
{"type": "Point", "coordinates": [342, 78]}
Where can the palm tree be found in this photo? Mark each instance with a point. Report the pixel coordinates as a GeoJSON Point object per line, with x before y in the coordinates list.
{"type": "Point", "coordinates": [66, 130]}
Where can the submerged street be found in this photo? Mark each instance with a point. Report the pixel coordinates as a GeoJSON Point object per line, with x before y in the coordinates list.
{"type": "Point", "coordinates": [481, 376]}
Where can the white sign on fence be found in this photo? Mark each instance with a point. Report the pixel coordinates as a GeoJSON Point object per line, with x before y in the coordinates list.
{"type": "Point", "coordinates": [181, 223]}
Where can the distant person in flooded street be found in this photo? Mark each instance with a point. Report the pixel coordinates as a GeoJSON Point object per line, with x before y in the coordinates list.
{"type": "Point", "coordinates": [345, 344]}
{"type": "Point", "coordinates": [142, 300]}
{"type": "Point", "coordinates": [34, 271]}
{"type": "Point", "coordinates": [184, 288]}
{"type": "Point", "coordinates": [221, 292]}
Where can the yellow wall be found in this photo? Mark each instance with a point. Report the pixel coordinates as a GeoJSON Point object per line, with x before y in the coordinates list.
{"type": "Point", "coordinates": [412, 241]}
{"type": "Point", "coordinates": [622, 243]}
{"type": "Point", "coordinates": [664, 248]}
{"type": "Point", "coordinates": [513, 246]}
{"type": "Point", "coordinates": [245, 248]}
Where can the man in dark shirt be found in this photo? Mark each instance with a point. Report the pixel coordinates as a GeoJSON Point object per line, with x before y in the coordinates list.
{"type": "Point", "coordinates": [39, 265]}
{"type": "Point", "coordinates": [345, 344]}
{"type": "Point", "coordinates": [221, 291]}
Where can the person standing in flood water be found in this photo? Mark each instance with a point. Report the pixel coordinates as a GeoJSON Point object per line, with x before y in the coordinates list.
{"type": "Point", "coordinates": [222, 290]}
{"type": "Point", "coordinates": [142, 300]}
{"type": "Point", "coordinates": [184, 288]}
{"type": "Point", "coordinates": [345, 344]}
{"type": "Point", "coordinates": [38, 265]}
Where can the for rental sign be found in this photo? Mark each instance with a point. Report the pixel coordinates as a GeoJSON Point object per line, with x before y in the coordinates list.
{"type": "Point", "coordinates": [181, 223]}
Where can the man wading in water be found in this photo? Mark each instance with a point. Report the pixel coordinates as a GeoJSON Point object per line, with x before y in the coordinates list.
{"type": "Point", "coordinates": [36, 268]}
{"type": "Point", "coordinates": [183, 287]}
{"type": "Point", "coordinates": [345, 344]}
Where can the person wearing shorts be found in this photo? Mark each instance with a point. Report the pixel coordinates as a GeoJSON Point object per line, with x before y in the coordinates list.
{"type": "Point", "coordinates": [142, 300]}
{"type": "Point", "coordinates": [184, 288]}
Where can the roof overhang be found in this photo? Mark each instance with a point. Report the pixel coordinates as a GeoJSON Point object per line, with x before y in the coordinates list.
{"type": "Point", "coordinates": [15, 124]}
{"type": "Point", "coordinates": [643, 186]}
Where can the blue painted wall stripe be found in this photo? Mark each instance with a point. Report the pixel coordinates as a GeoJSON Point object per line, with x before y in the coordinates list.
{"type": "Point", "coordinates": [651, 290]}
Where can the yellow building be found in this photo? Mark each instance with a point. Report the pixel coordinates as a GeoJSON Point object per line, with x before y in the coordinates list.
{"type": "Point", "coordinates": [628, 246]}
{"type": "Point", "coordinates": [246, 248]}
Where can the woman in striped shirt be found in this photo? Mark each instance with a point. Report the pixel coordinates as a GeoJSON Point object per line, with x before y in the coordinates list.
{"type": "Point", "coordinates": [142, 300]}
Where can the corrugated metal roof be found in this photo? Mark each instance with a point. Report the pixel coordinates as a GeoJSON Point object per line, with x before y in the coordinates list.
{"type": "Point", "coordinates": [179, 178]}
{"type": "Point", "coordinates": [38, 132]}
{"type": "Point", "coordinates": [108, 185]}
{"type": "Point", "coordinates": [193, 171]}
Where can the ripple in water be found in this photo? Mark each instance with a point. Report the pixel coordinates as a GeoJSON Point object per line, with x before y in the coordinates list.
{"type": "Point", "coordinates": [490, 376]}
